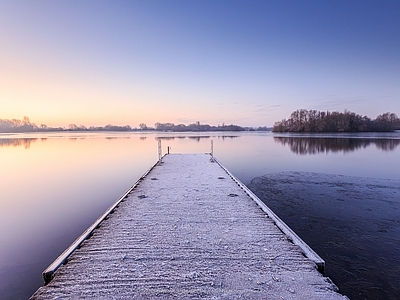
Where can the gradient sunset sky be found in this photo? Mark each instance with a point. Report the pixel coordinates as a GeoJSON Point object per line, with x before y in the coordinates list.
{"type": "Point", "coordinates": [249, 63]}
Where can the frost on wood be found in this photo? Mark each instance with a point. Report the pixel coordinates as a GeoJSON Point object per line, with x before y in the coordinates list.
{"type": "Point", "coordinates": [192, 233]}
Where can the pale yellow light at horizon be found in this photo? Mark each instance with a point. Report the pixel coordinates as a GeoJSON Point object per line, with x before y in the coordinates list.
{"type": "Point", "coordinates": [58, 102]}
{"type": "Point", "coordinates": [51, 92]}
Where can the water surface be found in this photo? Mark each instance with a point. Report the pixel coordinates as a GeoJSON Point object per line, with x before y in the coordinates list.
{"type": "Point", "coordinates": [53, 186]}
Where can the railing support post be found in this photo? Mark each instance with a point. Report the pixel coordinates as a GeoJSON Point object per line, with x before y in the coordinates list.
{"type": "Point", "coordinates": [159, 151]}
{"type": "Point", "coordinates": [212, 150]}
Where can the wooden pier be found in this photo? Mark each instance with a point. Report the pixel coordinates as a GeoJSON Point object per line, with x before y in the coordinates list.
{"type": "Point", "coordinates": [188, 230]}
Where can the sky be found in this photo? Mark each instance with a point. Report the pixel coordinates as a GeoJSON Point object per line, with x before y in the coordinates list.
{"type": "Point", "coordinates": [249, 63]}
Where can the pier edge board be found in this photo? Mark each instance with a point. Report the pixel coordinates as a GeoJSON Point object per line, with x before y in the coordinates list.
{"type": "Point", "coordinates": [49, 272]}
{"type": "Point", "coordinates": [306, 249]}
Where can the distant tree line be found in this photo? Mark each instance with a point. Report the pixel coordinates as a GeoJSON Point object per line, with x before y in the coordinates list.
{"type": "Point", "coordinates": [109, 127]}
{"type": "Point", "coordinates": [199, 127]}
{"type": "Point", "coordinates": [196, 127]}
{"type": "Point", "coordinates": [319, 121]}
{"type": "Point", "coordinates": [24, 125]}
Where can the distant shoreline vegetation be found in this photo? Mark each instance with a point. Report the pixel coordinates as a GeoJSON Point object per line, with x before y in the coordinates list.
{"type": "Point", "coordinates": [25, 125]}
{"type": "Point", "coordinates": [316, 121]}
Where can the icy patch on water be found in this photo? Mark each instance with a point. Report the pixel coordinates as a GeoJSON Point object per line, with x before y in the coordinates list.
{"type": "Point", "coordinates": [353, 223]}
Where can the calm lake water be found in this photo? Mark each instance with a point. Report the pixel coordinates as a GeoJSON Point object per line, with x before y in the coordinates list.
{"type": "Point", "coordinates": [53, 186]}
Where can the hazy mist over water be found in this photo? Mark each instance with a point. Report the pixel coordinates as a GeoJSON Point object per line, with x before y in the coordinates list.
{"type": "Point", "coordinates": [53, 186]}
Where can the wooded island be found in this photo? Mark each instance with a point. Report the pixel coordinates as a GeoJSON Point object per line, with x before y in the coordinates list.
{"type": "Point", "coordinates": [319, 121]}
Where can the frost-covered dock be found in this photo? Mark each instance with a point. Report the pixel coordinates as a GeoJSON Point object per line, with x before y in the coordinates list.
{"type": "Point", "coordinates": [189, 230]}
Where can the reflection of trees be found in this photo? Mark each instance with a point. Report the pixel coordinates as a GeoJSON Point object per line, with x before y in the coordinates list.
{"type": "Point", "coordinates": [198, 138]}
{"type": "Point", "coordinates": [228, 136]}
{"type": "Point", "coordinates": [303, 145]}
{"type": "Point", "coordinates": [166, 138]}
{"type": "Point", "coordinates": [26, 143]}
{"type": "Point", "coordinates": [387, 145]}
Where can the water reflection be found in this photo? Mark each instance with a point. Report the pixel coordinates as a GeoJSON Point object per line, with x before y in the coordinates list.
{"type": "Point", "coordinates": [352, 222]}
{"type": "Point", "coordinates": [223, 137]}
{"type": "Point", "coordinates": [115, 137]}
{"type": "Point", "coordinates": [26, 143]}
{"type": "Point", "coordinates": [195, 137]}
{"type": "Point", "coordinates": [166, 138]}
{"type": "Point", "coordinates": [307, 145]}
{"type": "Point", "coordinates": [51, 194]}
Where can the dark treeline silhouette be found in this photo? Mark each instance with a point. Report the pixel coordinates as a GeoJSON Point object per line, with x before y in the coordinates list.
{"type": "Point", "coordinates": [316, 121]}
{"type": "Point", "coordinates": [196, 127]}
{"type": "Point", "coordinates": [24, 125]}
{"type": "Point", "coordinates": [108, 127]}
{"type": "Point", "coordinates": [303, 145]}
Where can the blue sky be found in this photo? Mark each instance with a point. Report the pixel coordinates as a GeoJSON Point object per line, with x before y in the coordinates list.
{"type": "Point", "coordinates": [245, 62]}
